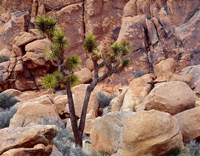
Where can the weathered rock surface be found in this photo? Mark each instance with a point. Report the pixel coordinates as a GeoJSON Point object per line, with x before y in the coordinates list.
{"type": "Point", "coordinates": [78, 95]}
{"type": "Point", "coordinates": [157, 30]}
{"type": "Point", "coordinates": [189, 124]}
{"type": "Point", "coordinates": [172, 97]}
{"type": "Point", "coordinates": [34, 111]}
{"type": "Point", "coordinates": [165, 71]}
{"type": "Point", "coordinates": [84, 75]}
{"type": "Point", "coordinates": [138, 90]}
{"type": "Point", "coordinates": [107, 130]}
{"type": "Point", "coordinates": [27, 141]}
{"type": "Point", "coordinates": [195, 72]}
{"type": "Point", "coordinates": [151, 132]}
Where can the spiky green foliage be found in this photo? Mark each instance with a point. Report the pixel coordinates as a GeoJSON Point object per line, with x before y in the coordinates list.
{"type": "Point", "coordinates": [49, 82]}
{"type": "Point", "coordinates": [7, 101]}
{"type": "Point", "coordinates": [72, 79]}
{"type": "Point", "coordinates": [59, 37]}
{"type": "Point", "coordinates": [90, 43]}
{"type": "Point", "coordinates": [72, 62]}
{"type": "Point", "coordinates": [4, 58]}
{"type": "Point", "coordinates": [119, 49]}
{"type": "Point", "coordinates": [125, 48]}
{"type": "Point", "coordinates": [126, 62]}
{"type": "Point", "coordinates": [116, 49]}
{"type": "Point", "coordinates": [45, 24]}
{"type": "Point", "coordinates": [58, 76]}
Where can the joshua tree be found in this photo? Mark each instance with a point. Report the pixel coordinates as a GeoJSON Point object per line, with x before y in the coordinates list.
{"type": "Point", "coordinates": [114, 60]}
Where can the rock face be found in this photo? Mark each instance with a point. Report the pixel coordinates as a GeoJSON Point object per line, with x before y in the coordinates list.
{"type": "Point", "coordinates": [76, 17]}
{"type": "Point", "coordinates": [195, 72]}
{"type": "Point", "coordinates": [107, 130]}
{"type": "Point", "coordinates": [36, 140]}
{"type": "Point", "coordinates": [165, 71]}
{"type": "Point", "coordinates": [172, 97]}
{"type": "Point", "coordinates": [151, 132]}
{"type": "Point", "coordinates": [157, 30]}
{"type": "Point", "coordinates": [189, 124]}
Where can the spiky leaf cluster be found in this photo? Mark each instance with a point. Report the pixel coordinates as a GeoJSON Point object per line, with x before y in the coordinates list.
{"type": "Point", "coordinates": [90, 43]}
{"type": "Point", "coordinates": [120, 49]}
{"type": "Point", "coordinates": [72, 79]}
{"type": "Point", "coordinates": [51, 81]}
{"type": "Point", "coordinates": [59, 43]}
{"type": "Point", "coordinates": [45, 24]}
{"type": "Point", "coordinates": [72, 62]}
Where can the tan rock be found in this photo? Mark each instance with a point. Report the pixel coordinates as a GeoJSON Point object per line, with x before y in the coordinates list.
{"type": "Point", "coordinates": [189, 124]}
{"type": "Point", "coordinates": [172, 97]}
{"type": "Point", "coordinates": [151, 132]}
{"type": "Point", "coordinates": [89, 64]}
{"type": "Point", "coordinates": [24, 84]}
{"type": "Point", "coordinates": [78, 95]}
{"type": "Point", "coordinates": [12, 92]}
{"type": "Point", "coordinates": [29, 141]}
{"type": "Point", "coordinates": [138, 90]}
{"type": "Point", "coordinates": [194, 71]}
{"type": "Point", "coordinates": [33, 112]}
{"type": "Point", "coordinates": [133, 31]}
{"type": "Point", "coordinates": [16, 24]}
{"type": "Point", "coordinates": [117, 102]}
{"type": "Point", "coordinates": [107, 131]}
{"type": "Point", "coordinates": [24, 38]}
{"type": "Point", "coordinates": [6, 52]}
{"type": "Point", "coordinates": [197, 103]}
{"type": "Point", "coordinates": [89, 121]}
{"type": "Point", "coordinates": [84, 75]}
{"type": "Point", "coordinates": [164, 70]}
{"type": "Point", "coordinates": [38, 46]}
{"type": "Point", "coordinates": [60, 103]}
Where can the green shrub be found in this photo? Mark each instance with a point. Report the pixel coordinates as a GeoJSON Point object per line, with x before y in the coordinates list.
{"type": "Point", "coordinates": [4, 58]}
{"type": "Point", "coordinates": [138, 73]}
{"type": "Point", "coordinates": [103, 99]}
{"type": "Point", "coordinates": [5, 117]}
{"type": "Point", "coordinates": [7, 101]}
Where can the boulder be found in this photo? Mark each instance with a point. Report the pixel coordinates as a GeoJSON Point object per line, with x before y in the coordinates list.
{"type": "Point", "coordinates": [133, 31]}
{"type": "Point", "coordinates": [107, 130]}
{"type": "Point", "coordinates": [189, 124]}
{"type": "Point", "coordinates": [84, 75]}
{"type": "Point", "coordinates": [38, 46]}
{"type": "Point", "coordinates": [24, 38]}
{"type": "Point", "coordinates": [138, 90]}
{"type": "Point", "coordinates": [78, 95]}
{"type": "Point", "coordinates": [12, 92]}
{"type": "Point", "coordinates": [89, 64]}
{"type": "Point", "coordinates": [60, 103]}
{"type": "Point", "coordinates": [194, 71]}
{"type": "Point", "coordinates": [17, 23]}
{"type": "Point", "coordinates": [149, 132]}
{"type": "Point", "coordinates": [117, 102]}
{"type": "Point", "coordinates": [172, 97]}
{"type": "Point", "coordinates": [27, 141]}
{"type": "Point", "coordinates": [34, 111]}
{"type": "Point", "coordinates": [165, 71]}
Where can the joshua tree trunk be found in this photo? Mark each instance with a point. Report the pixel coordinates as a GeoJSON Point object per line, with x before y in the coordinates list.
{"type": "Point", "coordinates": [73, 117]}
